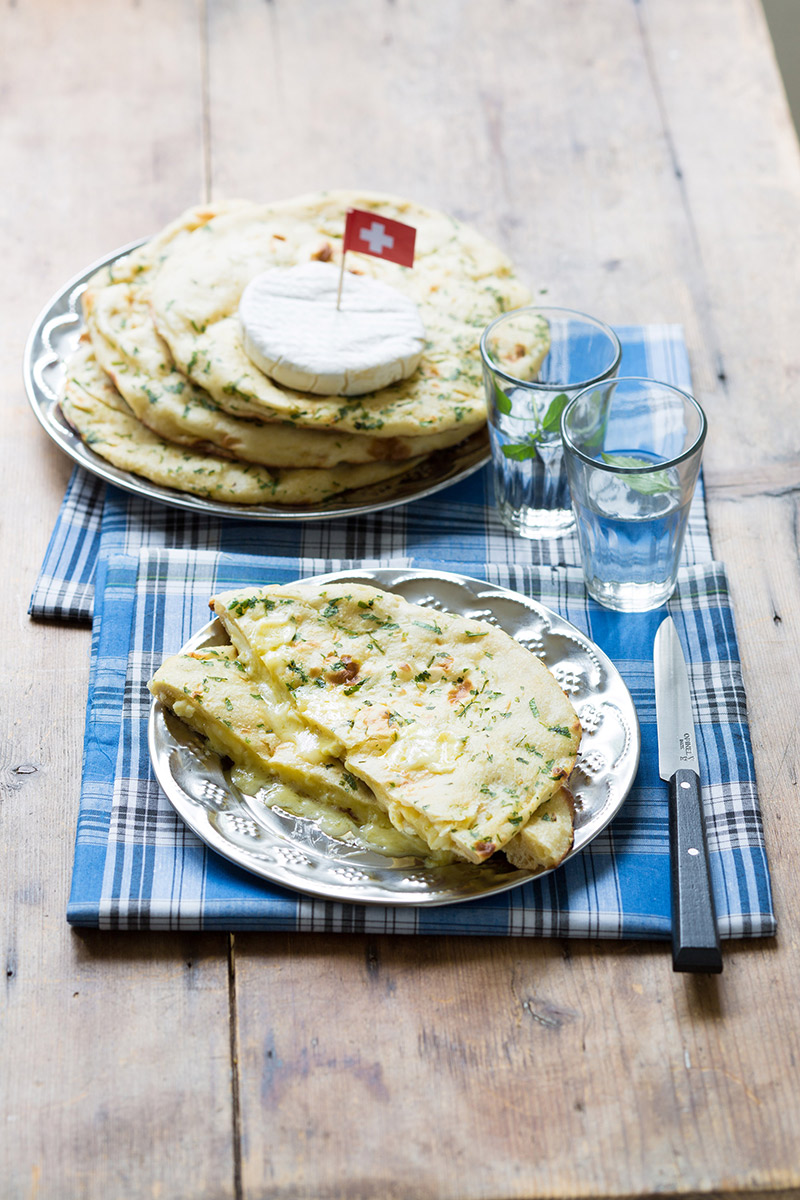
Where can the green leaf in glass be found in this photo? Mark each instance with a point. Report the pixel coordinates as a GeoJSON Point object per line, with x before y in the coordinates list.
{"type": "Point", "coordinates": [519, 451]}
{"type": "Point", "coordinates": [552, 418]}
{"type": "Point", "coordinates": [501, 399]}
{"type": "Point", "coordinates": [647, 485]}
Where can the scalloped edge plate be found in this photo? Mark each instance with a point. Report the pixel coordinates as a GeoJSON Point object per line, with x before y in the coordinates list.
{"type": "Point", "coordinates": [295, 853]}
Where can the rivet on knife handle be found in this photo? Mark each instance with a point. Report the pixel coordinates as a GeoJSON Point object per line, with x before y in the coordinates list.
{"type": "Point", "coordinates": [695, 940]}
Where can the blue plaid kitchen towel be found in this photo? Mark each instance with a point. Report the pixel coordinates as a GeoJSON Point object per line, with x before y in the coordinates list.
{"type": "Point", "coordinates": [137, 865]}
{"type": "Point", "coordinates": [455, 526]}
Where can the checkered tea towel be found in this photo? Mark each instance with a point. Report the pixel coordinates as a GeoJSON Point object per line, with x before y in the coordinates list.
{"type": "Point", "coordinates": [138, 866]}
{"type": "Point", "coordinates": [454, 526]}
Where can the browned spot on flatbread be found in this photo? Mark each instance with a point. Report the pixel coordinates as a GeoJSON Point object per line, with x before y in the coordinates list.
{"type": "Point", "coordinates": [460, 692]}
{"type": "Point", "coordinates": [388, 449]}
{"type": "Point", "coordinates": [345, 673]}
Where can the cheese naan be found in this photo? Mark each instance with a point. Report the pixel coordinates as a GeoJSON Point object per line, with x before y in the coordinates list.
{"type": "Point", "coordinates": [459, 282]}
{"type": "Point", "coordinates": [128, 347]}
{"type": "Point", "coordinates": [211, 692]}
{"type": "Point", "coordinates": [459, 731]}
{"type": "Point", "coordinates": [96, 410]}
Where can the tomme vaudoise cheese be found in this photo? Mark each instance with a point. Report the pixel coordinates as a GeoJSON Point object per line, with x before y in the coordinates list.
{"type": "Point", "coordinates": [293, 331]}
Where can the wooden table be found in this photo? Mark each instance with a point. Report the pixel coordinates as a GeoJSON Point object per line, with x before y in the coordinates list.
{"type": "Point", "coordinates": [637, 160]}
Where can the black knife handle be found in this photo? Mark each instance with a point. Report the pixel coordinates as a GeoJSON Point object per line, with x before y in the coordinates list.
{"type": "Point", "coordinates": [695, 939]}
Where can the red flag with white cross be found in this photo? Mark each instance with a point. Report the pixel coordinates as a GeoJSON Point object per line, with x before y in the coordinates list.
{"type": "Point", "coordinates": [372, 234]}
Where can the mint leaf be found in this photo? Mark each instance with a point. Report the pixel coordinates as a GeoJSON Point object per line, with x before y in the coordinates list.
{"type": "Point", "coordinates": [647, 485]}
{"type": "Point", "coordinates": [552, 418]}
{"type": "Point", "coordinates": [519, 451]}
{"type": "Point", "coordinates": [502, 400]}
{"type": "Point", "coordinates": [625, 460]}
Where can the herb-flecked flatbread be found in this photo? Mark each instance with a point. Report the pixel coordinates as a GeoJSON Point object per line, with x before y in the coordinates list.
{"type": "Point", "coordinates": [459, 281]}
{"type": "Point", "coordinates": [547, 838]}
{"type": "Point", "coordinates": [95, 409]}
{"type": "Point", "coordinates": [128, 347]}
{"type": "Point", "coordinates": [460, 732]}
{"type": "Point", "coordinates": [171, 395]}
{"type": "Point", "coordinates": [212, 693]}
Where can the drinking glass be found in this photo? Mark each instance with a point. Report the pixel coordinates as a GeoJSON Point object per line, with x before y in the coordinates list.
{"type": "Point", "coordinates": [632, 451]}
{"type": "Point", "coordinates": [534, 361]}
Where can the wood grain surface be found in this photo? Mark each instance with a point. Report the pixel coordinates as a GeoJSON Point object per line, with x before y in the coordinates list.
{"type": "Point", "coordinates": [637, 160]}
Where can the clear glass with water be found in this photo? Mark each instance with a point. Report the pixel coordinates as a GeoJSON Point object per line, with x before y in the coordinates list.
{"type": "Point", "coordinates": [530, 481]}
{"type": "Point", "coordinates": [534, 361]}
{"type": "Point", "coordinates": [632, 456]}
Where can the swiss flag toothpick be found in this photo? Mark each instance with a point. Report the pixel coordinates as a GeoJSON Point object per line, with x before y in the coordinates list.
{"type": "Point", "coordinates": [380, 236]}
{"type": "Point", "coordinates": [372, 234]}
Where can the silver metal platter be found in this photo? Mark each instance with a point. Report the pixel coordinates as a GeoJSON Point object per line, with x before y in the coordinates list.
{"type": "Point", "coordinates": [297, 854]}
{"type": "Point", "coordinates": [52, 340]}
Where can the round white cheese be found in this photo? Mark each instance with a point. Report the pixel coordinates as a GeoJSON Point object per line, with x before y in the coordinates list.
{"type": "Point", "coordinates": [293, 331]}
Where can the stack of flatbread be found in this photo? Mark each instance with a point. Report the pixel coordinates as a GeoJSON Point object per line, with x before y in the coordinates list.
{"type": "Point", "coordinates": [162, 385]}
{"type": "Point", "coordinates": [440, 728]}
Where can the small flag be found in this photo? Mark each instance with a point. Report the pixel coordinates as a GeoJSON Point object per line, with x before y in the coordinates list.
{"type": "Point", "coordinates": [373, 234]}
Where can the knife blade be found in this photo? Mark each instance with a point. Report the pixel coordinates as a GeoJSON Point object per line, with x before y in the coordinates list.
{"type": "Point", "coordinates": [695, 938]}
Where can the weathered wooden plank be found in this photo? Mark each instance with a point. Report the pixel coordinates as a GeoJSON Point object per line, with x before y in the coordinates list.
{"type": "Point", "coordinates": [116, 1066]}
{"type": "Point", "coordinates": [523, 123]}
{"type": "Point", "coordinates": [390, 1067]}
{"type": "Point", "coordinates": [742, 179]}
{"type": "Point", "coordinates": [741, 168]}
{"type": "Point", "coordinates": [629, 170]}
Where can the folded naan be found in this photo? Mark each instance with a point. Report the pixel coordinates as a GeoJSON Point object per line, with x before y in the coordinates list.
{"type": "Point", "coordinates": [547, 838]}
{"type": "Point", "coordinates": [458, 730]}
{"type": "Point", "coordinates": [211, 692]}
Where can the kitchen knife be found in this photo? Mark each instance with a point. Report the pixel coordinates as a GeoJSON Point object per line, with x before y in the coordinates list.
{"type": "Point", "coordinates": [695, 939]}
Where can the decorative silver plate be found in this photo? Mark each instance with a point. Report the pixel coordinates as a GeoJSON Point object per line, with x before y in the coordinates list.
{"type": "Point", "coordinates": [296, 853]}
{"type": "Point", "coordinates": [55, 335]}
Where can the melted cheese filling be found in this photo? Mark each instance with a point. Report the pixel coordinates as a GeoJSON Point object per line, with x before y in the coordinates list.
{"type": "Point", "coordinates": [436, 753]}
{"type": "Point", "coordinates": [362, 826]}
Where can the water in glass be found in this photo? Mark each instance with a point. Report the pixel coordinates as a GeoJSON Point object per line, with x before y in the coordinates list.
{"type": "Point", "coordinates": [631, 539]}
{"type": "Point", "coordinates": [530, 481]}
